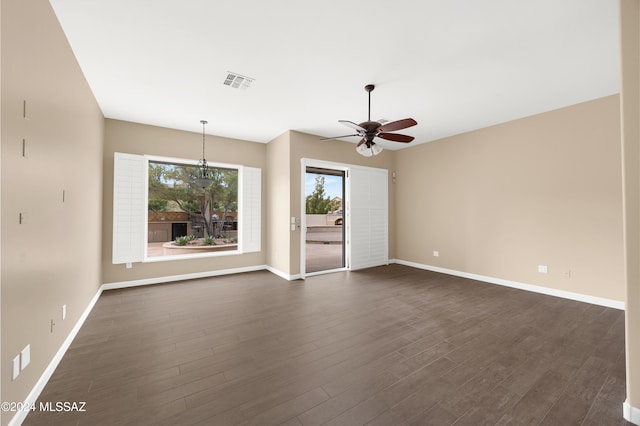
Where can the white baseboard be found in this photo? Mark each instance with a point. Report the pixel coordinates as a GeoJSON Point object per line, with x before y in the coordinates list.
{"type": "Point", "coordinates": [182, 277]}
{"type": "Point", "coordinates": [48, 372]}
{"type": "Point", "coordinates": [609, 303]}
{"type": "Point", "coordinates": [630, 413]}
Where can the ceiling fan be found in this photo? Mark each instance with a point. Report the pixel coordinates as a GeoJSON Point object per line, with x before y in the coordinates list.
{"type": "Point", "coordinates": [369, 130]}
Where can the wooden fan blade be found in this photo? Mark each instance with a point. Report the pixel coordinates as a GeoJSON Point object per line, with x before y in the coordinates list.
{"type": "Point", "coordinates": [396, 137]}
{"type": "Point", "coordinates": [352, 125]}
{"type": "Point", "coordinates": [361, 142]}
{"type": "Point", "coordinates": [339, 137]}
{"type": "Point", "coordinates": [398, 125]}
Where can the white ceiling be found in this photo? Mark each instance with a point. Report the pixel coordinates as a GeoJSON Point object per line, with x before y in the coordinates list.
{"type": "Point", "coordinates": [453, 66]}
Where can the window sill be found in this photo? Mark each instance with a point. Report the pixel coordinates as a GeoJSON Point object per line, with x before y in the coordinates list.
{"type": "Point", "coordinates": [154, 259]}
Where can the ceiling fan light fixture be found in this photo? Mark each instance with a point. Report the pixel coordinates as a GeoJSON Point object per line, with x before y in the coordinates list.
{"type": "Point", "coordinates": [369, 150]}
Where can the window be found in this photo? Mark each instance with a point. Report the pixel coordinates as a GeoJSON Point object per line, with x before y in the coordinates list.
{"type": "Point", "coordinates": [186, 218]}
{"type": "Point", "coordinates": [160, 215]}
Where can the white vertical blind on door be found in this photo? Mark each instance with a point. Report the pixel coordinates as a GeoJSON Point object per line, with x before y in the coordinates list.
{"type": "Point", "coordinates": [129, 207]}
{"type": "Point", "coordinates": [369, 217]}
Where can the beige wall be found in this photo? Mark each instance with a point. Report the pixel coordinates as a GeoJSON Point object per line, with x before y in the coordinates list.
{"type": "Point", "coordinates": [133, 138]}
{"type": "Point", "coordinates": [54, 257]}
{"type": "Point", "coordinates": [309, 146]}
{"type": "Point", "coordinates": [498, 202]}
{"type": "Point", "coordinates": [630, 102]}
{"type": "Point", "coordinates": [278, 203]}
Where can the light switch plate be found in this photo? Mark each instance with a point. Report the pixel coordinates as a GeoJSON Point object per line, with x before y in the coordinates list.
{"type": "Point", "coordinates": [25, 357]}
{"type": "Point", "coordinates": [15, 368]}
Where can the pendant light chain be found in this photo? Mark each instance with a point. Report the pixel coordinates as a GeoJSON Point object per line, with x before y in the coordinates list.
{"type": "Point", "coordinates": [204, 123]}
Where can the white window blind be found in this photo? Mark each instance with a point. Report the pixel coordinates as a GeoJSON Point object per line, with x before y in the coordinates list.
{"type": "Point", "coordinates": [129, 207]}
{"type": "Point", "coordinates": [250, 207]}
{"type": "Point", "coordinates": [369, 212]}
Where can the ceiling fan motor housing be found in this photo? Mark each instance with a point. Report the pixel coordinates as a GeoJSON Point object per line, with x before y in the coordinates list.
{"type": "Point", "coordinates": [370, 130]}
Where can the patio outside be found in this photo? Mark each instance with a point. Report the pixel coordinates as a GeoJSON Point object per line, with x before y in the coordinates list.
{"type": "Point", "coordinates": [323, 248]}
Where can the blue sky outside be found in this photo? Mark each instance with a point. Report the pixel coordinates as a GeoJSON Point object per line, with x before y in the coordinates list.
{"type": "Point", "coordinates": [332, 185]}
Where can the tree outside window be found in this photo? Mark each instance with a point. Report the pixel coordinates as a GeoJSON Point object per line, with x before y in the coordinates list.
{"type": "Point", "coordinates": [171, 187]}
{"type": "Point", "coordinates": [318, 202]}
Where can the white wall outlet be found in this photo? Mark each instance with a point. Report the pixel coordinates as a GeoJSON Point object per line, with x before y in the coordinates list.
{"type": "Point", "coordinates": [436, 253]}
{"type": "Point", "coordinates": [543, 269]}
{"type": "Point", "coordinates": [25, 357]}
{"type": "Point", "coordinates": [15, 368]}
{"type": "Point", "coordinates": [129, 265]}
{"type": "Point", "coordinates": [64, 312]}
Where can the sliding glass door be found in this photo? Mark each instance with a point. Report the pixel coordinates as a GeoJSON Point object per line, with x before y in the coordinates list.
{"type": "Point", "coordinates": [345, 217]}
{"type": "Point", "coordinates": [325, 219]}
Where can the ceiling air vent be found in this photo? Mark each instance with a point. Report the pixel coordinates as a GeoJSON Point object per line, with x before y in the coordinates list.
{"type": "Point", "coordinates": [237, 81]}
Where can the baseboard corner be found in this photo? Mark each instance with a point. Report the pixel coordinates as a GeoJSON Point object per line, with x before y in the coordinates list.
{"type": "Point", "coordinates": [281, 274]}
{"type": "Point", "coordinates": [631, 413]}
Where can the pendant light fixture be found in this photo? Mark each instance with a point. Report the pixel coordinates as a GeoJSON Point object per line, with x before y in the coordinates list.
{"type": "Point", "coordinates": [203, 175]}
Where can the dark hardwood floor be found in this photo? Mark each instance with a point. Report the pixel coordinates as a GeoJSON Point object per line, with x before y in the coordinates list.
{"type": "Point", "coordinates": [385, 346]}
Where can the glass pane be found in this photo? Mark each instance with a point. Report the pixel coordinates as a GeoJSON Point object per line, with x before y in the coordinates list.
{"type": "Point", "coordinates": [185, 218]}
{"type": "Point", "coordinates": [324, 234]}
